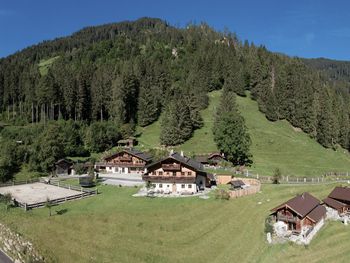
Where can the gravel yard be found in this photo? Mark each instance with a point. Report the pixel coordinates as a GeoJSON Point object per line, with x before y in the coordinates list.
{"type": "Point", "coordinates": [36, 192]}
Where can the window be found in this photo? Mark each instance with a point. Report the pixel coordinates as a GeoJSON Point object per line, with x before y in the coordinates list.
{"type": "Point", "coordinates": [182, 186]}
{"type": "Point", "coordinates": [153, 173]}
{"type": "Point", "coordinates": [189, 173]}
{"type": "Point", "coordinates": [160, 173]}
{"type": "Point", "coordinates": [167, 173]}
{"type": "Point", "coordinates": [168, 186]}
{"type": "Point", "coordinates": [189, 186]}
{"type": "Point", "coordinates": [182, 173]}
{"type": "Point", "coordinates": [160, 185]}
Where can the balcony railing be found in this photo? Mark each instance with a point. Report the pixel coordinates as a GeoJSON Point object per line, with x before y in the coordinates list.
{"type": "Point", "coordinates": [281, 217]}
{"type": "Point", "coordinates": [125, 159]}
{"type": "Point", "coordinates": [171, 167]}
{"type": "Point", "coordinates": [168, 179]}
{"type": "Point", "coordinates": [120, 164]}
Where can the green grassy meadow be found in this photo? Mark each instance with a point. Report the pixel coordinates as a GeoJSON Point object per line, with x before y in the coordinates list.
{"type": "Point", "coordinates": [45, 64]}
{"type": "Point", "coordinates": [274, 144]}
{"type": "Point", "coordinates": [116, 227]}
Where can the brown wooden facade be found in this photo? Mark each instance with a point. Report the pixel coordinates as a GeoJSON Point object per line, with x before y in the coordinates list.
{"type": "Point", "coordinates": [301, 211]}
{"type": "Point", "coordinates": [177, 172]}
{"type": "Point", "coordinates": [125, 161]}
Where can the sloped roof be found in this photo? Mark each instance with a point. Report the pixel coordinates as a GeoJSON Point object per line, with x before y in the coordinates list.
{"type": "Point", "coordinates": [333, 203]}
{"type": "Point", "coordinates": [340, 193]}
{"type": "Point", "coordinates": [317, 214]}
{"type": "Point", "coordinates": [63, 161]}
{"type": "Point", "coordinates": [134, 152]}
{"type": "Point", "coordinates": [237, 183]}
{"type": "Point", "coordinates": [301, 204]}
{"type": "Point", "coordinates": [182, 159]}
{"type": "Point", "coordinates": [202, 158]}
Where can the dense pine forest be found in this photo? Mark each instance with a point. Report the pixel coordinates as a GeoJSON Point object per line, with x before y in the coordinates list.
{"type": "Point", "coordinates": [80, 94]}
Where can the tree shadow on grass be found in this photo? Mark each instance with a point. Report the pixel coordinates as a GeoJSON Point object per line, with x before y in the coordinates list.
{"type": "Point", "coordinates": [62, 211]}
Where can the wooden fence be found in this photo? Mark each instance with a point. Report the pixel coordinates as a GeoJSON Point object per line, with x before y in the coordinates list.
{"type": "Point", "coordinates": [300, 180]}
{"type": "Point", "coordinates": [254, 187]}
{"type": "Point", "coordinates": [82, 192]}
{"type": "Point", "coordinates": [12, 183]}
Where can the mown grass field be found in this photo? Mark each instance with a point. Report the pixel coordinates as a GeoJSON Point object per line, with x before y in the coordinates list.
{"type": "Point", "coordinates": [116, 227]}
{"type": "Point", "coordinates": [274, 144]}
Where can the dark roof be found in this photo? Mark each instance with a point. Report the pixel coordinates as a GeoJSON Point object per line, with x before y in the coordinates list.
{"type": "Point", "coordinates": [202, 158]}
{"type": "Point", "coordinates": [206, 158]}
{"type": "Point", "coordinates": [340, 193]}
{"type": "Point", "coordinates": [317, 214]}
{"type": "Point", "coordinates": [63, 161]}
{"type": "Point", "coordinates": [134, 152]}
{"type": "Point", "coordinates": [211, 177]}
{"type": "Point", "coordinates": [301, 204]}
{"type": "Point", "coordinates": [215, 155]}
{"type": "Point", "coordinates": [182, 159]}
{"type": "Point", "coordinates": [333, 203]}
{"type": "Point", "coordinates": [237, 183]}
{"type": "Point", "coordinates": [188, 161]}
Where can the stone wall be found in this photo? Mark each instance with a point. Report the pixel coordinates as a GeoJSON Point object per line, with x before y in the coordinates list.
{"type": "Point", "coordinates": [19, 249]}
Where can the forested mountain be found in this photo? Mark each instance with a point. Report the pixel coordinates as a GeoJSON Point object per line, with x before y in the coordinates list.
{"type": "Point", "coordinates": [131, 72]}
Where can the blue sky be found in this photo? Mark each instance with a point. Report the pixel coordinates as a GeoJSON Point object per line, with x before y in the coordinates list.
{"type": "Point", "coordinates": [306, 28]}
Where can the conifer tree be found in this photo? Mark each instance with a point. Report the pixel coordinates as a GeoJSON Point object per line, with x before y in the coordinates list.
{"type": "Point", "coordinates": [230, 132]}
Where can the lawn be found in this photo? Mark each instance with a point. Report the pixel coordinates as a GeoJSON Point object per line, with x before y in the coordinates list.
{"type": "Point", "coordinates": [116, 227]}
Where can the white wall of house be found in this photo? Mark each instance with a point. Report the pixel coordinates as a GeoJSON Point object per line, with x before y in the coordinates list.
{"type": "Point", "coordinates": [124, 170]}
{"type": "Point", "coordinates": [180, 188]}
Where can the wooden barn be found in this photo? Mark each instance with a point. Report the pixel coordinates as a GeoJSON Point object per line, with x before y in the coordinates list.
{"type": "Point", "coordinates": [301, 211]}
{"type": "Point", "coordinates": [212, 159]}
{"type": "Point", "coordinates": [64, 167]}
{"type": "Point", "coordinates": [339, 199]}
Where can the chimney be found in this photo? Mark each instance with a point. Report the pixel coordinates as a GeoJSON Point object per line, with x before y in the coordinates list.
{"type": "Point", "coordinates": [182, 153]}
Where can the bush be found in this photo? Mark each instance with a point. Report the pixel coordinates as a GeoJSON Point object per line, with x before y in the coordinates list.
{"type": "Point", "coordinates": [222, 194]}
{"type": "Point", "coordinates": [79, 168]}
{"type": "Point", "coordinates": [268, 225]}
{"type": "Point", "coordinates": [277, 175]}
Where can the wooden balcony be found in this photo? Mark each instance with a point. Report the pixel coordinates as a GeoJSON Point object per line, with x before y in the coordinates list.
{"type": "Point", "coordinates": [171, 167]}
{"type": "Point", "coordinates": [120, 164]}
{"type": "Point", "coordinates": [286, 218]}
{"type": "Point", "coordinates": [169, 179]}
{"type": "Point", "coordinates": [125, 159]}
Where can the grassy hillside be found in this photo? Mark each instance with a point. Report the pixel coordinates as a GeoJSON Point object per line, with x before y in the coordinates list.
{"type": "Point", "coordinates": [274, 144]}
{"type": "Point", "coordinates": [116, 227]}
{"type": "Point", "coordinates": [278, 144]}
{"type": "Point", "coordinates": [202, 140]}
{"type": "Point", "coordinates": [45, 64]}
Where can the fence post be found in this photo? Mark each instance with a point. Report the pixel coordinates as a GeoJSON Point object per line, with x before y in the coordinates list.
{"type": "Point", "coordinates": [304, 180]}
{"type": "Point", "coordinates": [287, 179]}
{"type": "Point", "coordinates": [297, 180]}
